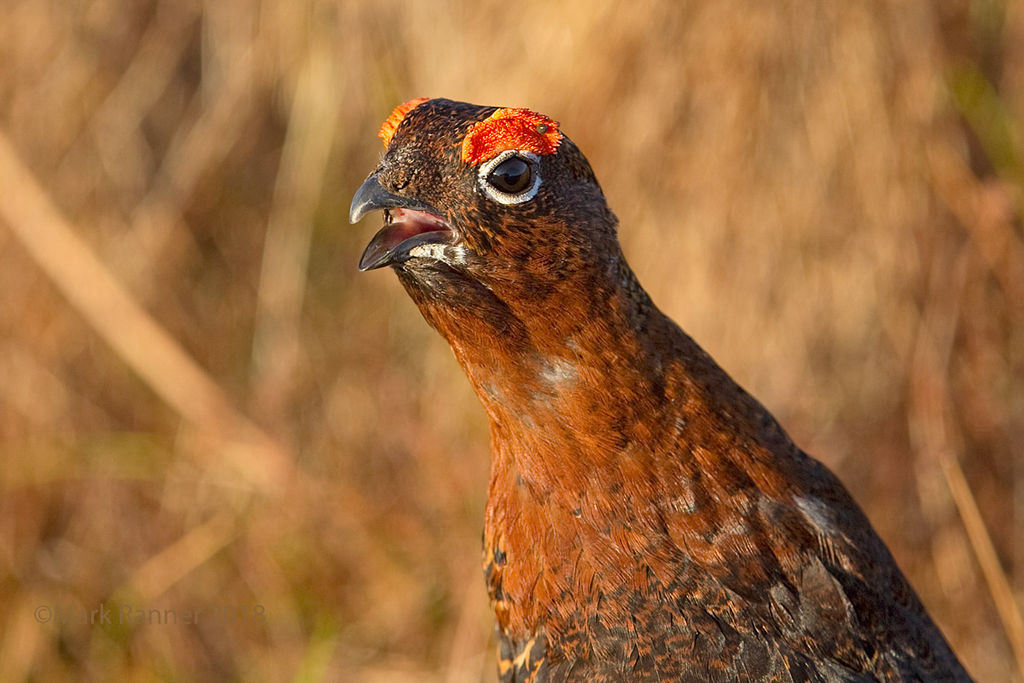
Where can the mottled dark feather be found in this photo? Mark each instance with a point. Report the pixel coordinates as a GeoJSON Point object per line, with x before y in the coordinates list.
{"type": "Point", "coordinates": [647, 519]}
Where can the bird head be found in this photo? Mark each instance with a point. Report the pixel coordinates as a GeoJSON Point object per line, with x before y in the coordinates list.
{"type": "Point", "coordinates": [486, 196]}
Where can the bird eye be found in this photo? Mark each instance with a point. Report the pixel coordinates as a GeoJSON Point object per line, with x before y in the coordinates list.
{"type": "Point", "coordinates": [512, 177]}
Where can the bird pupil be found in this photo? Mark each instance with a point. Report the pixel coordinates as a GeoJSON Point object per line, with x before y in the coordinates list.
{"type": "Point", "coordinates": [511, 176]}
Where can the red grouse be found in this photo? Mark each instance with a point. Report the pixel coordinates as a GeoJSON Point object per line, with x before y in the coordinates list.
{"type": "Point", "coordinates": [647, 519]}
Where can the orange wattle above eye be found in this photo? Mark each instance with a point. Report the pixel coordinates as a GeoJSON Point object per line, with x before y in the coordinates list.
{"type": "Point", "coordinates": [507, 129]}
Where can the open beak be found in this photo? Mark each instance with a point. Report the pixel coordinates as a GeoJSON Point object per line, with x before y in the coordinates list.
{"type": "Point", "coordinates": [408, 223]}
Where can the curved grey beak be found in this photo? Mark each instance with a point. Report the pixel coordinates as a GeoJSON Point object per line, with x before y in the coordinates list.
{"type": "Point", "coordinates": [408, 223]}
{"type": "Point", "coordinates": [371, 197]}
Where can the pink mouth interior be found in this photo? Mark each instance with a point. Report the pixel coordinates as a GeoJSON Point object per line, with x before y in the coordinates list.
{"type": "Point", "coordinates": [406, 223]}
{"type": "Point", "coordinates": [402, 226]}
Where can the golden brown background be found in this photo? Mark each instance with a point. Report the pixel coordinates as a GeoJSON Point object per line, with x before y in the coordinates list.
{"type": "Point", "coordinates": [203, 403]}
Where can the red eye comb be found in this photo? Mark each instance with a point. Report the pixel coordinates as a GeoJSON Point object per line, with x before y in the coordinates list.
{"type": "Point", "coordinates": [391, 123]}
{"type": "Point", "coordinates": [510, 129]}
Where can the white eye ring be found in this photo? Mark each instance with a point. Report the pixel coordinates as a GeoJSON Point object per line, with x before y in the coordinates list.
{"type": "Point", "coordinates": [503, 197]}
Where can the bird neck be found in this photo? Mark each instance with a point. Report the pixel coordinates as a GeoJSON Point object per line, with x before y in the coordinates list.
{"type": "Point", "coordinates": [567, 370]}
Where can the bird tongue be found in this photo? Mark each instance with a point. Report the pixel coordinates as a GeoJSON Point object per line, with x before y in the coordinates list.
{"type": "Point", "coordinates": [405, 224]}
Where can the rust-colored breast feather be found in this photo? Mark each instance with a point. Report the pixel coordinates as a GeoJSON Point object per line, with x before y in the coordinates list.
{"type": "Point", "coordinates": [716, 551]}
{"type": "Point", "coordinates": [647, 519]}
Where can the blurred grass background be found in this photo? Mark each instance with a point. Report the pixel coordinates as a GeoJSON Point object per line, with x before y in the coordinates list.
{"type": "Point", "coordinates": [202, 403]}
